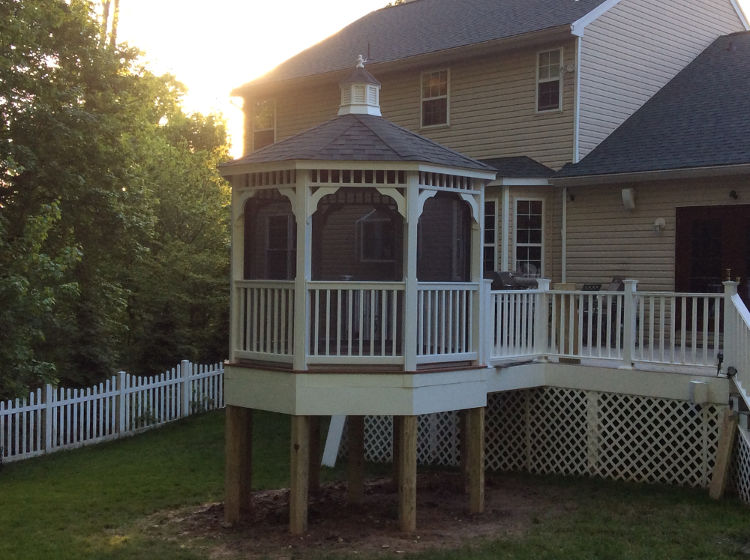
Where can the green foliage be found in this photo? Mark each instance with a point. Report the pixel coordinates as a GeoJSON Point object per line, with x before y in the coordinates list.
{"type": "Point", "coordinates": [31, 282]}
{"type": "Point", "coordinates": [100, 151]}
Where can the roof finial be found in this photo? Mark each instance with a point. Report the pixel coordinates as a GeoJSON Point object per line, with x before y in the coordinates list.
{"type": "Point", "coordinates": [360, 61]}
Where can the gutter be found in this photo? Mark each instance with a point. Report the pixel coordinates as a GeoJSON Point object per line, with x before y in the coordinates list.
{"type": "Point", "coordinates": [654, 175]}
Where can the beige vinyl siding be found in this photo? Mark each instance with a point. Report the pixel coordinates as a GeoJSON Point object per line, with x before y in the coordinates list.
{"type": "Point", "coordinates": [605, 240]}
{"type": "Point", "coordinates": [492, 106]}
{"type": "Point", "coordinates": [634, 49]}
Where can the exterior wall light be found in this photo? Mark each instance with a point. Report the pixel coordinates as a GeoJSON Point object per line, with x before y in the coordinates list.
{"type": "Point", "coordinates": [659, 225]}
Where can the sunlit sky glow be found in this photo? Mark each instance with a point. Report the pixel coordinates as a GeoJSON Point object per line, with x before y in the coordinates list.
{"type": "Point", "coordinates": [214, 46]}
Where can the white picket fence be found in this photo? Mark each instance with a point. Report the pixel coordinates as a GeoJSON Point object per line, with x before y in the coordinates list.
{"type": "Point", "coordinates": [51, 419]}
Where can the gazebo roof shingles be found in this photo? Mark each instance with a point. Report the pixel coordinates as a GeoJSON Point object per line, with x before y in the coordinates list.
{"type": "Point", "coordinates": [360, 138]}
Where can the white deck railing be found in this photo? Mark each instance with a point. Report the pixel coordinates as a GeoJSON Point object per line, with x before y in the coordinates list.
{"type": "Point", "coordinates": [512, 316]}
{"type": "Point", "coordinates": [356, 322]}
{"type": "Point", "coordinates": [445, 319]}
{"type": "Point", "coordinates": [737, 344]}
{"type": "Point", "coordinates": [675, 328]}
{"type": "Point", "coordinates": [265, 320]}
{"type": "Point", "coordinates": [627, 326]}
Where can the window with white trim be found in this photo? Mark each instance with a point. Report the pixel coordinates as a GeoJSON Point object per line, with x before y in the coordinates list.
{"type": "Point", "coordinates": [549, 80]}
{"type": "Point", "coordinates": [529, 237]}
{"type": "Point", "coordinates": [376, 237]}
{"type": "Point", "coordinates": [489, 240]}
{"type": "Point", "coordinates": [435, 98]}
{"type": "Point", "coordinates": [264, 123]}
{"type": "Point", "coordinates": [281, 247]}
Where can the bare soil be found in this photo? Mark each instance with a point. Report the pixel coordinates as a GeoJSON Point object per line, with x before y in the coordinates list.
{"type": "Point", "coordinates": [368, 529]}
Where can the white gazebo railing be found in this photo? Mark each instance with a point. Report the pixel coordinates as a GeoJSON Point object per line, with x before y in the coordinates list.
{"type": "Point", "coordinates": [445, 319]}
{"type": "Point", "coordinates": [356, 322]}
{"type": "Point", "coordinates": [265, 320]}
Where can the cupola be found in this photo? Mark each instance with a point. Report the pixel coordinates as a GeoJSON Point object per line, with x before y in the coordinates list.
{"type": "Point", "coordinates": [360, 92]}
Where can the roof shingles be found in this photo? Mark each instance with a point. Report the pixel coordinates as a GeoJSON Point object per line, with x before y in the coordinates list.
{"type": "Point", "coordinates": [699, 119]}
{"type": "Point", "coordinates": [360, 138]}
{"type": "Point", "coordinates": [427, 26]}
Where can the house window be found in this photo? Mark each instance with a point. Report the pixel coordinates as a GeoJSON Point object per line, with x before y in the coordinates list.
{"type": "Point", "coordinates": [489, 241]}
{"type": "Point", "coordinates": [281, 247]}
{"type": "Point", "coordinates": [264, 123]}
{"type": "Point", "coordinates": [376, 237]}
{"type": "Point", "coordinates": [529, 237]}
{"type": "Point", "coordinates": [435, 98]}
{"type": "Point", "coordinates": [549, 80]}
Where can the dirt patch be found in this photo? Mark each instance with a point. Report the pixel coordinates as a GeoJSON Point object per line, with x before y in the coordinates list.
{"type": "Point", "coordinates": [513, 504]}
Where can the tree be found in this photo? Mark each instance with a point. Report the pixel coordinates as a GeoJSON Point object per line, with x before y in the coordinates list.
{"type": "Point", "coordinates": [100, 150]}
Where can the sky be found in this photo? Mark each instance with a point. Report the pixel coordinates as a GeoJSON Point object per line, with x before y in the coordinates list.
{"type": "Point", "coordinates": [214, 46]}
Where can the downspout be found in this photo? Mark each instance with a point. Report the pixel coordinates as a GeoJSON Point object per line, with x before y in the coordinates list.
{"type": "Point", "coordinates": [505, 246]}
{"type": "Point", "coordinates": [576, 155]}
{"type": "Point", "coordinates": [564, 237]}
{"type": "Point", "coordinates": [577, 106]}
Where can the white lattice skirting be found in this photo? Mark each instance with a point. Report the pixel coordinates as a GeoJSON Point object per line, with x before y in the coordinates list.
{"type": "Point", "coordinates": [563, 431]}
{"type": "Point", "coordinates": [741, 471]}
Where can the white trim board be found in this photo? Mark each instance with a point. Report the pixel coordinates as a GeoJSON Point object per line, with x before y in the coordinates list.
{"type": "Point", "coordinates": [578, 26]}
{"type": "Point", "coordinates": [741, 15]}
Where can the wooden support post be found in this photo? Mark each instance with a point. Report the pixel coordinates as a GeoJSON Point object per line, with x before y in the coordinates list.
{"type": "Point", "coordinates": [314, 467]}
{"type": "Point", "coordinates": [723, 455]}
{"type": "Point", "coordinates": [238, 470]}
{"type": "Point", "coordinates": [407, 475]}
{"type": "Point", "coordinates": [300, 474]}
{"type": "Point", "coordinates": [475, 458]}
{"type": "Point", "coordinates": [462, 443]}
{"type": "Point", "coordinates": [396, 450]}
{"type": "Point", "coordinates": [355, 488]}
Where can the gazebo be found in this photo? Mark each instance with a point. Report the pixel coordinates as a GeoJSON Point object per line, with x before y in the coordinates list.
{"type": "Point", "coordinates": [356, 290]}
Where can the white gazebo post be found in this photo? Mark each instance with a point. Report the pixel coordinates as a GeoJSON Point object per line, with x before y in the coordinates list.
{"type": "Point", "coordinates": [476, 204]}
{"type": "Point", "coordinates": [410, 268]}
{"type": "Point", "coordinates": [303, 216]}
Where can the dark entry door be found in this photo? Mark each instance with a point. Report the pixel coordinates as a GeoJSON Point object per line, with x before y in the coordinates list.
{"type": "Point", "coordinates": [712, 240]}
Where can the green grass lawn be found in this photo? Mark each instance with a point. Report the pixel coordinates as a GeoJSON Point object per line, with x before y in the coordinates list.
{"type": "Point", "coordinates": [78, 504]}
{"type": "Point", "coordinates": [91, 502]}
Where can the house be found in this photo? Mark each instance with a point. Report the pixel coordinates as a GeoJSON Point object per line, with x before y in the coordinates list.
{"type": "Point", "coordinates": [684, 157]}
{"type": "Point", "coordinates": [526, 84]}
{"type": "Point", "coordinates": [360, 242]}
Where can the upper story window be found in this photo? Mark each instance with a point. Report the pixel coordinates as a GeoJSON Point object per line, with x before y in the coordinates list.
{"type": "Point", "coordinates": [549, 80]}
{"type": "Point", "coordinates": [435, 98]}
{"type": "Point", "coordinates": [529, 237]}
{"type": "Point", "coordinates": [264, 123]}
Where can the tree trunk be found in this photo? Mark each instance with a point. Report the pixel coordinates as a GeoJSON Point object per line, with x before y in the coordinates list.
{"type": "Point", "coordinates": [115, 21]}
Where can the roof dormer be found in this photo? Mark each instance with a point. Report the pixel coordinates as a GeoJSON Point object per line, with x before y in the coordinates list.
{"type": "Point", "coordinates": [360, 92]}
